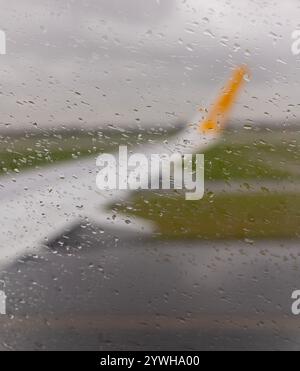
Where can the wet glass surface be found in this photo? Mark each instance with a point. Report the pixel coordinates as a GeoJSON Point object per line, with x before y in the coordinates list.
{"type": "Point", "coordinates": [84, 268]}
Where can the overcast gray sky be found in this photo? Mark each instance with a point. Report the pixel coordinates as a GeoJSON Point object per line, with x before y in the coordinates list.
{"type": "Point", "coordinates": [139, 62]}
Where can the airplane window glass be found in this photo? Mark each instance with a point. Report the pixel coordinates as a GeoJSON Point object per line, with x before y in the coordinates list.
{"type": "Point", "coordinates": [149, 164]}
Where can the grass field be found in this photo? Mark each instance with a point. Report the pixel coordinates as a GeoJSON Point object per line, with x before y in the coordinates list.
{"type": "Point", "coordinates": [31, 150]}
{"type": "Point", "coordinates": [244, 162]}
{"type": "Point", "coordinates": [255, 157]}
{"type": "Point", "coordinates": [239, 156]}
{"type": "Point", "coordinates": [247, 217]}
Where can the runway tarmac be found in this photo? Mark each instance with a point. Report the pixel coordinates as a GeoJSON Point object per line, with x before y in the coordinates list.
{"type": "Point", "coordinates": [99, 290]}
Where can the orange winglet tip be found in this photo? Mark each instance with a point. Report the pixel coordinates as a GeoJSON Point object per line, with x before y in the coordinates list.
{"type": "Point", "coordinates": [219, 112]}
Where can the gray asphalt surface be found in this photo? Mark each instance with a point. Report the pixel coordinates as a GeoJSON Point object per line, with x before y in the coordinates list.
{"type": "Point", "coordinates": [96, 290]}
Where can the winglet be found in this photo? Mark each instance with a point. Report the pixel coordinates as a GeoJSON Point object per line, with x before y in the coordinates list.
{"type": "Point", "coordinates": [219, 112]}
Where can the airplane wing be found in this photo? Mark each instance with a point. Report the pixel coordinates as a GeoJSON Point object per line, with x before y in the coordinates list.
{"type": "Point", "coordinates": [40, 205]}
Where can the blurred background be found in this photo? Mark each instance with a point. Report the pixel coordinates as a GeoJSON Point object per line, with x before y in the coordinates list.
{"type": "Point", "coordinates": [82, 77]}
{"type": "Point", "coordinates": [140, 62]}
